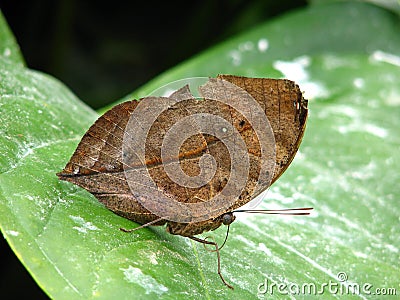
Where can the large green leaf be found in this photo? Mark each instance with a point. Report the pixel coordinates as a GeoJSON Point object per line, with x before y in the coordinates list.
{"type": "Point", "coordinates": [339, 28]}
{"type": "Point", "coordinates": [347, 169]}
{"type": "Point", "coordinates": [9, 49]}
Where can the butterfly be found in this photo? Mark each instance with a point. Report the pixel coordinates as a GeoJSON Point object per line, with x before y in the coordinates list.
{"type": "Point", "coordinates": [190, 162]}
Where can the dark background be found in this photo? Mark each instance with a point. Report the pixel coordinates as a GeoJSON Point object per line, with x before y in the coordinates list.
{"type": "Point", "coordinates": [105, 50]}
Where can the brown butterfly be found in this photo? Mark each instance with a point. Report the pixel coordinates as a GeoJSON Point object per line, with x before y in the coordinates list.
{"type": "Point", "coordinates": [190, 163]}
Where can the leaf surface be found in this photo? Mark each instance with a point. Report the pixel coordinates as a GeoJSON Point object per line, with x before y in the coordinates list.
{"type": "Point", "coordinates": [347, 169]}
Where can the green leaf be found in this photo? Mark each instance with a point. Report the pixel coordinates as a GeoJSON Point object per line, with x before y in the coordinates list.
{"type": "Point", "coordinates": [347, 169]}
{"type": "Point", "coordinates": [393, 5]}
{"type": "Point", "coordinates": [9, 49]}
{"type": "Point", "coordinates": [339, 28]}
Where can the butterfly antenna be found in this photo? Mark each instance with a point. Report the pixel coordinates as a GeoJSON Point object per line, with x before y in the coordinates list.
{"type": "Point", "coordinates": [304, 211]}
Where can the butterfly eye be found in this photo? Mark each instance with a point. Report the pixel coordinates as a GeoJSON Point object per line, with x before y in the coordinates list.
{"type": "Point", "coordinates": [228, 218]}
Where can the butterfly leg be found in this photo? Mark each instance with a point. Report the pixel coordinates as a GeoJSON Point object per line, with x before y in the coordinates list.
{"type": "Point", "coordinates": [218, 257]}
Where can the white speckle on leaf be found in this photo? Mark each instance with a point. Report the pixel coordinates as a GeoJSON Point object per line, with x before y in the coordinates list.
{"type": "Point", "coordinates": [312, 90]}
{"type": "Point", "coordinates": [359, 82]}
{"type": "Point", "coordinates": [360, 127]}
{"type": "Point", "coordinates": [392, 248]}
{"type": "Point", "coordinates": [360, 254]}
{"type": "Point", "coordinates": [246, 46]}
{"type": "Point", "coordinates": [385, 57]}
{"type": "Point", "coordinates": [135, 275]}
{"type": "Point", "coordinates": [153, 258]}
{"type": "Point", "coordinates": [236, 54]}
{"type": "Point", "coordinates": [245, 240]}
{"type": "Point", "coordinates": [27, 152]}
{"type": "Point", "coordinates": [263, 248]}
{"type": "Point", "coordinates": [296, 238]}
{"type": "Point", "coordinates": [12, 232]}
{"type": "Point", "coordinates": [274, 193]}
{"type": "Point", "coordinates": [30, 197]}
{"type": "Point", "coordinates": [236, 57]}
{"type": "Point", "coordinates": [356, 122]}
{"type": "Point", "coordinates": [332, 62]}
{"type": "Point", "coordinates": [262, 45]}
{"type": "Point", "coordinates": [84, 226]}
{"type": "Point", "coordinates": [391, 97]}
{"type": "Point", "coordinates": [365, 172]}
{"type": "Point", "coordinates": [345, 110]}
{"type": "Point", "coordinates": [296, 70]}
{"type": "Point", "coordinates": [7, 52]}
